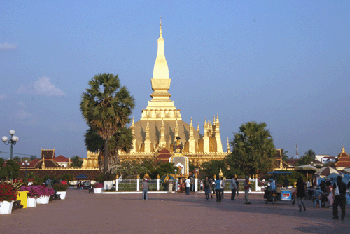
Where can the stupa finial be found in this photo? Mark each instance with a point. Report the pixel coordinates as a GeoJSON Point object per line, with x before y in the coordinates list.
{"type": "Point", "coordinates": [160, 34]}
{"type": "Point", "coordinates": [343, 150]}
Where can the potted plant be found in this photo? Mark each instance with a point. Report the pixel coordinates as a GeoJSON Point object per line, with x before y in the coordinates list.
{"type": "Point", "coordinates": [98, 188]}
{"type": "Point", "coordinates": [7, 196]}
{"type": "Point", "coordinates": [61, 189]}
{"type": "Point", "coordinates": [32, 195]}
{"type": "Point", "coordinates": [44, 193]}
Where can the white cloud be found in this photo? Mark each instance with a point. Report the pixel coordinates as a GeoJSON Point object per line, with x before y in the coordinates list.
{"type": "Point", "coordinates": [22, 114]}
{"type": "Point", "coordinates": [3, 96]}
{"type": "Point", "coordinates": [42, 86]}
{"type": "Point", "coordinates": [7, 46]}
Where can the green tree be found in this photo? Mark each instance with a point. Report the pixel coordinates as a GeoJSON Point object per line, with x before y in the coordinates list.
{"type": "Point", "coordinates": [3, 170]}
{"type": "Point", "coordinates": [67, 177]}
{"type": "Point", "coordinates": [253, 149]}
{"type": "Point", "coordinates": [164, 168]}
{"type": "Point", "coordinates": [12, 169]}
{"type": "Point", "coordinates": [106, 107]}
{"type": "Point", "coordinates": [212, 168]}
{"type": "Point", "coordinates": [309, 156]}
{"type": "Point", "coordinates": [17, 159]}
{"type": "Point", "coordinates": [77, 162]}
{"type": "Point", "coordinates": [122, 139]}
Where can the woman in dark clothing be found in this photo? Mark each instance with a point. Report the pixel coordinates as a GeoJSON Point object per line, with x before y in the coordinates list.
{"type": "Point", "coordinates": [301, 193]}
{"type": "Point", "coordinates": [206, 187]}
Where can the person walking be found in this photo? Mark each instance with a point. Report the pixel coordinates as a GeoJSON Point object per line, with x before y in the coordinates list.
{"type": "Point", "coordinates": [246, 190]}
{"type": "Point", "coordinates": [339, 191]}
{"type": "Point", "coordinates": [192, 183]}
{"type": "Point", "coordinates": [206, 187]}
{"type": "Point", "coordinates": [222, 187]}
{"type": "Point", "coordinates": [213, 187]}
{"type": "Point", "coordinates": [233, 187]}
{"type": "Point", "coordinates": [144, 189]}
{"type": "Point", "coordinates": [301, 187]}
{"type": "Point", "coordinates": [237, 187]}
{"type": "Point", "coordinates": [218, 190]}
{"type": "Point", "coordinates": [285, 183]}
{"type": "Point", "coordinates": [188, 185]}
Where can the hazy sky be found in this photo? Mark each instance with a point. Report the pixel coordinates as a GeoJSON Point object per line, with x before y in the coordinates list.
{"type": "Point", "coordinates": [285, 63]}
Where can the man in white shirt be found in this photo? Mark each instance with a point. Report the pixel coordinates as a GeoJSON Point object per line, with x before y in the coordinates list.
{"type": "Point", "coordinates": [187, 186]}
{"type": "Point", "coordinates": [222, 187]}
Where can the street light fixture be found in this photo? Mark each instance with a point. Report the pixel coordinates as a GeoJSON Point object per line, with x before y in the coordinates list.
{"type": "Point", "coordinates": [12, 141]}
{"type": "Point", "coordinates": [25, 177]}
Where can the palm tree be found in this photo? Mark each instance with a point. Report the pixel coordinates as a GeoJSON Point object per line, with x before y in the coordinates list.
{"type": "Point", "coordinates": [106, 107]}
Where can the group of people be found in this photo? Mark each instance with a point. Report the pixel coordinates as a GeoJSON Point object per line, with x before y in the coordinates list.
{"type": "Point", "coordinates": [338, 192]}
{"type": "Point", "coordinates": [217, 187]}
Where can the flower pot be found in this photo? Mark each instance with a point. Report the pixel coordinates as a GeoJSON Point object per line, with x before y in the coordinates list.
{"type": "Point", "coordinates": [97, 190]}
{"type": "Point", "coordinates": [6, 207]}
{"type": "Point", "coordinates": [62, 194]}
{"type": "Point", "coordinates": [31, 202]}
{"type": "Point", "coordinates": [43, 200]}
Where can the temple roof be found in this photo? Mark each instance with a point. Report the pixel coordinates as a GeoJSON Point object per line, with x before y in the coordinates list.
{"type": "Point", "coordinates": [169, 134]}
{"type": "Point", "coordinates": [61, 159]}
{"type": "Point", "coordinates": [48, 153]}
{"type": "Point", "coordinates": [343, 159]}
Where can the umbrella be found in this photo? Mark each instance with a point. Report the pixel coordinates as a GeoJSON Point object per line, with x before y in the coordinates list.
{"type": "Point", "coordinates": [306, 168]}
{"type": "Point", "coordinates": [81, 176]}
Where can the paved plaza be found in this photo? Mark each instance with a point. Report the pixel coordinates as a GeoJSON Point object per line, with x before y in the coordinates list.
{"type": "Point", "coordinates": [82, 212]}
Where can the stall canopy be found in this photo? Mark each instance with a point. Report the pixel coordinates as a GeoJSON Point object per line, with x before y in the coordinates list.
{"type": "Point", "coordinates": [308, 169]}
{"type": "Point", "coordinates": [325, 171]}
{"type": "Point", "coordinates": [81, 177]}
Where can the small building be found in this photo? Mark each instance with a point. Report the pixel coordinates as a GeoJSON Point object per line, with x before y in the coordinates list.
{"type": "Point", "coordinates": [62, 161]}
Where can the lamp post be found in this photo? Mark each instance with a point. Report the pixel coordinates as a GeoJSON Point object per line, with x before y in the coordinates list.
{"type": "Point", "coordinates": [25, 177]}
{"type": "Point", "coordinates": [12, 141]}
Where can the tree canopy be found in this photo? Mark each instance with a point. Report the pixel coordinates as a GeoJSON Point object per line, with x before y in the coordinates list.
{"type": "Point", "coordinates": [106, 107]}
{"type": "Point", "coordinates": [309, 156]}
{"type": "Point", "coordinates": [253, 149]}
{"type": "Point", "coordinates": [122, 139]}
{"type": "Point", "coordinates": [10, 170]}
{"type": "Point", "coordinates": [77, 162]}
{"type": "Point", "coordinates": [152, 167]}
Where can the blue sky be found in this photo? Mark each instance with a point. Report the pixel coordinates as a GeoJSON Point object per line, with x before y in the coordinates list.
{"type": "Point", "coordinates": [285, 63]}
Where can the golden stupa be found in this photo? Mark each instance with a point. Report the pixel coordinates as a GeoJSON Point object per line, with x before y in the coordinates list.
{"type": "Point", "coordinates": [161, 125]}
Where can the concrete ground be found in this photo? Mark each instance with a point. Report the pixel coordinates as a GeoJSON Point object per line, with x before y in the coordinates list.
{"type": "Point", "coordinates": [82, 212]}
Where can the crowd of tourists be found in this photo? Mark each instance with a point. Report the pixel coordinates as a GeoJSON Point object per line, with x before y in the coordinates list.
{"type": "Point", "coordinates": [334, 193]}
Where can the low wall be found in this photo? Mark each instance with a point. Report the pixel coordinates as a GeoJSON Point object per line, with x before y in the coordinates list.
{"type": "Point", "coordinates": [91, 174]}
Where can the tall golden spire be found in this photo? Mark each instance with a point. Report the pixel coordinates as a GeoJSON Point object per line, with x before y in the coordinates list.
{"type": "Point", "coordinates": [160, 34]}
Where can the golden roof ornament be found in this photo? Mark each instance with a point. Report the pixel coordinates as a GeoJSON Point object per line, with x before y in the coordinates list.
{"type": "Point", "coordinates": [160, 34]}
{"type": "Point", "coordinates": [221, 174]}
{"type": "Point", "coordinates": [343, 150]}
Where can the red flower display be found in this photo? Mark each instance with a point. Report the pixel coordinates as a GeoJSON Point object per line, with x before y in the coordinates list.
{"type": "Point", "coordinates": [7, 192]}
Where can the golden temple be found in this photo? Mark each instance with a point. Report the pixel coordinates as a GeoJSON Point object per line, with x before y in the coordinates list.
{"type": "Point", "coordinates": [161, 124]}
